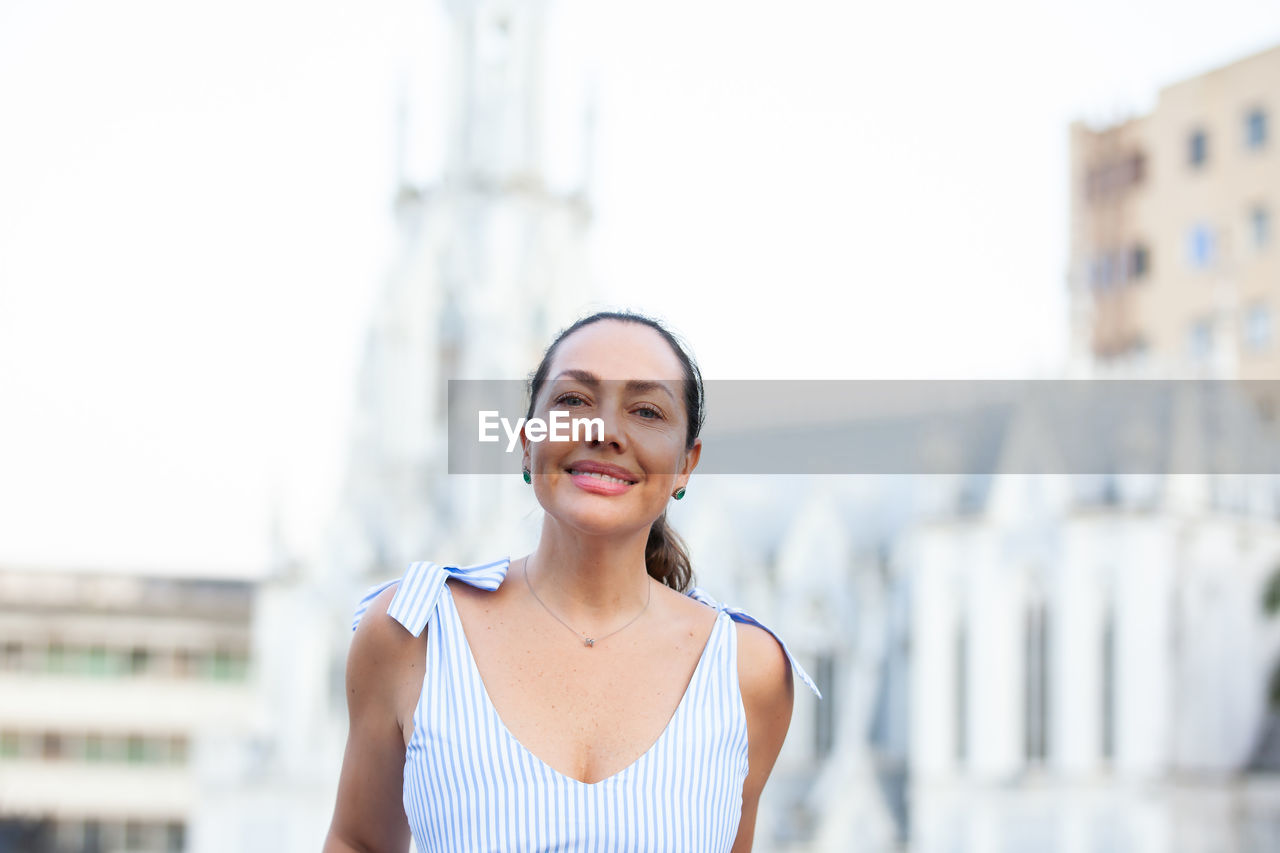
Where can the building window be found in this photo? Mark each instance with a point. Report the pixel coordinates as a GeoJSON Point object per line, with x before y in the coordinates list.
{"type": "Point", "coordinates": [1200, 246]}
{"type": "Point", "coordinates": [1257, 326]}
{"type": "Point", "coordinates": [1110, 271]}
{"type": "Point", "coordinates": [1139, 262]}
{"type": "Point", "coordinates": [133, 834]}
{"type": "Point", "coordinates": [1109, 683]}
{"type": "Point", "coordinates": [1137, 168]}
{"type": "Point", "coordinates": [961, 698]}
{"type": "Point", "coordinates": [68, 835]}
{"type": "Point", "coordinates": [94, 747]}
{"type": "Point", "coordinates": [1036, 685]}
{"type": "Point", "coordinates": [1115, 176]}
{"type": "Point", "coordinates": [185, 663]}
{"type": "Point", "coordinates": [1259, 227]}
{"type": "Point", "coordinates": [1096, 272]}
{"type": "Point", "coordinates": [1197, 148]}
{"type": "Point", "coordinates": [221, 668]}
{"type": "Point", "coordinates": [1200, 339]}
{"type": "Point", "coordinates": [52, 746]}
{"type": "Point", "coordinates": [135, 749]}
{"type": "Point", "coordinates": [1255, 128]}
{"type": "Point", "coordinates": [176, 837]}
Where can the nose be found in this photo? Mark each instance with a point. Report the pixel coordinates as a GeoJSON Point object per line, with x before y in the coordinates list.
{"type": "Point", "coordinates": [612, 433]}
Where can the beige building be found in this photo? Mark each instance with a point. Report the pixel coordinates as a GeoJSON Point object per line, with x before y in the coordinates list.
{"type": "Point", "coordinates": [1089, 658]}
{"type": "Point", "coordinates": [108, 686]}
{"type": "Point", "coordinates": [1174, 252]}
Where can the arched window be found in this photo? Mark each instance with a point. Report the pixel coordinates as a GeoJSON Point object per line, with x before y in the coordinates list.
{"type": "Point", "coordinates": [1197, 148]}
{"type": "Point", "coordinates": [824, 727]}
{"type": "Point", "coordinates": [1036, 683]}
{"type": "Point", "coordinates": [960, 701]}
{"type": "Point", "coordinates": [1108, 691]}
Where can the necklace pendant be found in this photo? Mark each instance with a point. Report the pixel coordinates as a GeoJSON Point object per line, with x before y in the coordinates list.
{"type": "Point", "coordinates": [588, 642]}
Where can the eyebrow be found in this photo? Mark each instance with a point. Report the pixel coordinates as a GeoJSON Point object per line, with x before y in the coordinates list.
{"type": "Point", "coordinates": [586, 377]}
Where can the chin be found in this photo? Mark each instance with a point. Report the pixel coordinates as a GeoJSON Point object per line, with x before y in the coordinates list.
{"type": "Point", "coordinates": [601, 521]}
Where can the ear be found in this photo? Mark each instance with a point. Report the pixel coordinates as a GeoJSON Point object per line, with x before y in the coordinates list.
{"type": "Point", "coordinates": [691, 457]}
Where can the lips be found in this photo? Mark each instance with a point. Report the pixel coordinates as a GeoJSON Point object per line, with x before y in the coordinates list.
{"type": "Point", "coordinates": [603, 468]}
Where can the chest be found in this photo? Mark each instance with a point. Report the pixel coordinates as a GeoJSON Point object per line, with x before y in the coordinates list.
{"type": "Point", "coordinates": [588, 713]}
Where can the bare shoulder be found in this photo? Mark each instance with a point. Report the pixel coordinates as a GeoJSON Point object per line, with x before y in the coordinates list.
{"type": "Point", "coordinates": [768, 694]}
{"type": "Point", "coordinates": [764, 672]}
{"type": "Point", "coordinates": [380, 665]}
{"type": "Point", "coordinates": [384, 660]}
{"type": "Point", "coordinates": [377, 632]}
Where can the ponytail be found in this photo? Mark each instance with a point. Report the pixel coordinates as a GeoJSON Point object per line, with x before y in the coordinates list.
{"type": "Point", "coordinates": [667, 557]}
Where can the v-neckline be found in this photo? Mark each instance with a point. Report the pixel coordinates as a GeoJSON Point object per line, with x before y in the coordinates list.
{"type": "Point", "coordinates": [474, 672]}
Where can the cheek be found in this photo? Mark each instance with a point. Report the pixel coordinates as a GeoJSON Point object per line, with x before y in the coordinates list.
{"type": "Point", "coordinates": [666, 462]}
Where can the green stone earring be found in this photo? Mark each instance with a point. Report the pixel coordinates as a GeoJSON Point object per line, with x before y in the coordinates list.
{"type": "Point", "coordinates": [527, 478]}
{"type": "Point", "coordinates": [679, 493]}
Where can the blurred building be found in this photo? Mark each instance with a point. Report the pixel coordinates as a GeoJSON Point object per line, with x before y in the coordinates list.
{"type": "Point", "coordinates": [1089, 665]}
{"type": "Point", "coordinates": [109, 686]}
{"type": "Point", "coordinates": [492, 267]}
{"type": "Point", "coordinates": [1090, 656]}
{"type": "Point", "coordinates": [491, 262]}
{"type": "Point", "coordinates": [1173, 245]}
{"type": "Point", "coordinates": [812, 558]}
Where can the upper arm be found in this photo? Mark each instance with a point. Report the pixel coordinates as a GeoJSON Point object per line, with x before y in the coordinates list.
{"type": "Point", "coordinates": [768, 695]}
{"type": "Point", "coordinates": [369, 814]}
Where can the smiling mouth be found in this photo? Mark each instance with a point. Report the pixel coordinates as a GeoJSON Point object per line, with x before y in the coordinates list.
{"type": "Point", "coordinates": [598, 476]}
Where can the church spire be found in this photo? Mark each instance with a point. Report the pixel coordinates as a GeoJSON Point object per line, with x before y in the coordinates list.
{"type": "Point", "coordinates": [498, 77]}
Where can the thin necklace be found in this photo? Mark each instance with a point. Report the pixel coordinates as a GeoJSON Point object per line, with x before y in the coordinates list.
{"type": "Point", "coordinates": [586, 641]}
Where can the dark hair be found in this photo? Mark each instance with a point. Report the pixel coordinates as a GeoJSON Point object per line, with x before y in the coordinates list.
{"type": "Point", "coordinates": [665, 555]}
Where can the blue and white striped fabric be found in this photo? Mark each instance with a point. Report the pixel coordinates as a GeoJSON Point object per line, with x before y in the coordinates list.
{"type": "Point", "coordinates": [470, 785]}
{"type": "Point", "coordinates": [742, 616]}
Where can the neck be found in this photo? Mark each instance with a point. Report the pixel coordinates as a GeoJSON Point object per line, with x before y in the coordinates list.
{"type": "Point", "coordinates": [590, 581]}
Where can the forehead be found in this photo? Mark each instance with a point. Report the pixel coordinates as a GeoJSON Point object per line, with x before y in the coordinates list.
{"type": "Point", "coordinates": [612, 349]}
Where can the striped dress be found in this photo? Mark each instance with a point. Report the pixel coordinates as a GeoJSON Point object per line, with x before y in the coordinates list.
{"type": "Point", "coordinates": [470, 785]}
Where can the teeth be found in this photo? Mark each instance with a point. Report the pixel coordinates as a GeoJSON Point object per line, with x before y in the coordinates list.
{"type": "Point", "coordinates": [604, 477]}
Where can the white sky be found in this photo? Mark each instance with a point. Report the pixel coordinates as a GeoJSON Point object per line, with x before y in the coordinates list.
{"type": "Point", "coordinates": [194, 216]}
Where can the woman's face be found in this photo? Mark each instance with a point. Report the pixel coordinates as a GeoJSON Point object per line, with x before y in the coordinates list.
{"type": "Point", "coordinates": [627, 375]}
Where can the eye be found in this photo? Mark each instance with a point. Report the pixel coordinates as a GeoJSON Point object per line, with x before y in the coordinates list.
{"type": "Point", "coordinates": [657, 415]}
{"type": "Point", "coordinates": [570, 396]}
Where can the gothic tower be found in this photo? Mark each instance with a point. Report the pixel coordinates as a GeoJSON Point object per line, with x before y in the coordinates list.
{"type": "Point", "coordinates": [492, 263]}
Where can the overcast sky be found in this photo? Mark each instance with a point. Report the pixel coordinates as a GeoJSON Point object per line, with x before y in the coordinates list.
{"type": "Point", "coordinates": [194, 218]}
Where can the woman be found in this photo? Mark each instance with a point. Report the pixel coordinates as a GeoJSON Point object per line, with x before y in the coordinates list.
{"type": "Point", "coordinates": [594, 701]}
